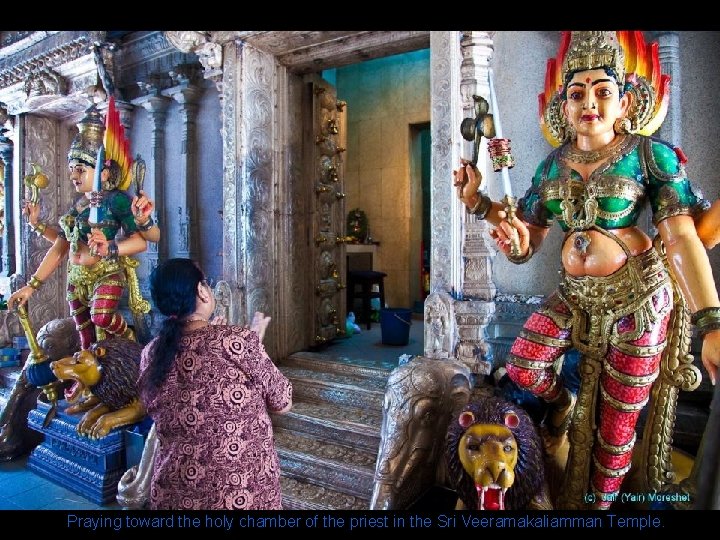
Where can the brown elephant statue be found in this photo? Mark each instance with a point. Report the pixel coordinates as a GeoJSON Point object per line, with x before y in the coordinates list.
{"type": "Point", "coordinates": [421, 398]}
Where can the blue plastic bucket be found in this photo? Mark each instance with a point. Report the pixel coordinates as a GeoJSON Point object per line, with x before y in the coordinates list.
{"type": "Point", "coordinates": [395, 326]}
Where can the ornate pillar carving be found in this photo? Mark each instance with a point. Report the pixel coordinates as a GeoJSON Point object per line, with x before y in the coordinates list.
{"type": "Point", "coordinates": [669, 53]}
{"type": "Point", "coordinates": [477, 48]}
{"type": "Point", "coordinates": [458, 70]}
{"type": "Point", "coordinates": [208, 52]}
{"type": "Point", "coordinates": [42, 143]}
{"type": "Point", "coordinates": [156, 106]}
{"type": "Point", "coordinates": [187, 95]}
{"type": "Point", "coordinates": [8, 232]}
{"type": "Point", "coordinates": [445, 118]}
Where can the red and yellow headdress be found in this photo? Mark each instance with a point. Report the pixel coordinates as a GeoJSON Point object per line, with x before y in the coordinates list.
{"type": "Point", "coordinates": [117, 147]}
{"type": "Point", "coordinates": [635, 63]}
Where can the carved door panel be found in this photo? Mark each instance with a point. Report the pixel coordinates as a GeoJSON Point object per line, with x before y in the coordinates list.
{"type": "Point", "coordinates": [328, 212]}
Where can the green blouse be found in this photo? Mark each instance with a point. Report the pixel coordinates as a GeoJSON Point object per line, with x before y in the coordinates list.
{"type": "Point", "coordinates": [643, 169]}
{"type": "Point", "coordinates": [116, 214]}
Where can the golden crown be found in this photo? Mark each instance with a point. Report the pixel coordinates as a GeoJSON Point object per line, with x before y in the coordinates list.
{"type": "Point", "coordinates": [89, 138]}
{"type": "Point", "coordinates": [592, 50]}
{"type": "Point", "coordinates": [636, 64]}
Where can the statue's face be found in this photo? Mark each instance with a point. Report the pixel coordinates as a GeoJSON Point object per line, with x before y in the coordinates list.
{"type": "Point", "coordinates": [593, 102]}
{"type": "Point", "coordinates": [82, 176]}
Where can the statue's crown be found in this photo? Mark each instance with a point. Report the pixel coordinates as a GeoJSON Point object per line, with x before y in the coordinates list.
{"type": "Point", "coordinates": [86, 143]}
{"type": "Point", "coordinates": [592, 50]}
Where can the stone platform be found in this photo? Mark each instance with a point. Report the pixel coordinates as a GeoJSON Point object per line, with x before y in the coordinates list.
{"type": "Point", "coordinates": [91, 468]}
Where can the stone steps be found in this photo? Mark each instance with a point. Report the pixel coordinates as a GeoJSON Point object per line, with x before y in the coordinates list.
{"type": "Point", "coordinates": [340, 425]}
{"type": "Point", "coordinates": [328, 442]}
{"type": "Point", "coordinates": [342, 468]}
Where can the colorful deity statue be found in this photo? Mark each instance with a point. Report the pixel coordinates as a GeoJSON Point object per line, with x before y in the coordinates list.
{"type": "Point", "coordinates": [100, 263]}
{"type": "Point", "coordinates": [624, 300]}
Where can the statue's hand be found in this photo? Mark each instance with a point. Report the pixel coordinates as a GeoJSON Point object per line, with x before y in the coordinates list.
{"type": "Point", "coordinates": [20, 297]}
{"type": "Point", "coordinates": [504, 232]}
{"type": "Point", "coordinates": [32, 212]}
{"type": "Point", "coordinates": [97, 243]}
{"type": "Point", "coordinates": [710, 353]}
{"type": "Point", "coordinates": [142, 207]}
{"type": "Point", "coordinates": [467, 181]}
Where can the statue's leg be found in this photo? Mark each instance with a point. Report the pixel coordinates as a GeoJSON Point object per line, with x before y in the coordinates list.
{"type": "Point", "coordinates": [544, 338]}
{"type": "Point", "coordinates": [628, 372]}
{"type": "Point", "coordinates": [104, 311]}
{"type": "Point", "coordinates": [81, 315]}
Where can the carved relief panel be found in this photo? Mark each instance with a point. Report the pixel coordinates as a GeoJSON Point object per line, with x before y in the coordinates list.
{"type": "Point", "coordinates": [328, 211]}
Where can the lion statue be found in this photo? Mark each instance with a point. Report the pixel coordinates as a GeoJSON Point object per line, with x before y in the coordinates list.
{"type": "Point", "coordinates": [109, 370]}
{"type": "Point", "coordinates": [494, 456]}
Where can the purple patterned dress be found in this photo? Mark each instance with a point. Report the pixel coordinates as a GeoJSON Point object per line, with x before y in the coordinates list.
{"type": "Point", "coordinates": [211, 415]}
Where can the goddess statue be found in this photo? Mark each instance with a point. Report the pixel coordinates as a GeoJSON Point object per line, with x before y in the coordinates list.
{"type": "Point", "coordinates": [623, 299]}
{"type": "Point", "coordinates": [100, 266]}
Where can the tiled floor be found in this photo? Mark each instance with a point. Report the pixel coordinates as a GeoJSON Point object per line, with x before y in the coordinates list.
{"type": "Point", "coordinates": [21, 489]}
{"type": "Point", "coordinates": [367, 348]}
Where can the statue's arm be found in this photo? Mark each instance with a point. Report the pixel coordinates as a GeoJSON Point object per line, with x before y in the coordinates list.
{"type": "Point", "coordinates": [708, 226]}
{"type": "Point", "coordinates": [690, 266]}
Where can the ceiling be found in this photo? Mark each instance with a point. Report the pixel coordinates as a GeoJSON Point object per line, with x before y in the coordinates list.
{"type": "Point", "coordinates": [312, 51]}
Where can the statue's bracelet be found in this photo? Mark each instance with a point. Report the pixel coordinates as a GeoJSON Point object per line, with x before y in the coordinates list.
{"type": "Point", "coordinates": [113, 252]}
{"type": "Point", "coordinates": [145, 227]}
{"type": "Point", "coordinates": [39, 227]}
{"type": "Point", "coordinates": [34, 282]}
{"type": "Point", "coordinates": [482, 207]}
{"type": "Point", "coordinates": [706, 320]}
{"type": "Point", "coordinates": [522, 259]}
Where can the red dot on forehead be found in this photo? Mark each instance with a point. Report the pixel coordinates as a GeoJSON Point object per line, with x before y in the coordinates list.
{"type": "Point", "coordinates": [587, 80]}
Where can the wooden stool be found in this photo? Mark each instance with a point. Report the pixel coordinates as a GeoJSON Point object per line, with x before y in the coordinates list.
{"type": "Point", "coordinates": [365, 279]}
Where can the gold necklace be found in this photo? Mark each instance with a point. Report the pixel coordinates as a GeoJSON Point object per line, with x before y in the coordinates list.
{"type": "Point", "coordinates": [196, 320]}
{"type": "Point", "coordinates": [572, 153]}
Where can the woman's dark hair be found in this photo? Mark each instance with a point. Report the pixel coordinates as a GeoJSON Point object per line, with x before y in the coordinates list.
{"type": "Point", "coordinates": [173, 286]}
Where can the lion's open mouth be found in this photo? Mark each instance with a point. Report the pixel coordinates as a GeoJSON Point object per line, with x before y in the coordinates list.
{"type": "Point", "coordinates": [491, 497]}
{"type": "Point", "coordinates": [73, 393]}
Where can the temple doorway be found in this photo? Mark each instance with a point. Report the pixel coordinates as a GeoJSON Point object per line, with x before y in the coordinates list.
{"type": "Point", "coordinates": [387, 167]}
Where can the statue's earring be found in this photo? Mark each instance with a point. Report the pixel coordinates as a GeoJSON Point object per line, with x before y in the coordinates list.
{"type": "Point", "coordinates": [570, 133]}
{"type": "Point", "coordinates": [622, 125]}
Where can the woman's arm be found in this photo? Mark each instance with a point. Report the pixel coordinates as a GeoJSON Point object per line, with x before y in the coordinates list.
{"type": "Point", "coordinates": [691, 269]}
{"type": "Point", "coordinates": [467, 181]}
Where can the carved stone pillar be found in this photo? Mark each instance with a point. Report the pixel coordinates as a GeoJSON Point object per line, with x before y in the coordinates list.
{"type": "Point", "coordinates": [8, 235]}
{"type": "Point", "coordinates": [458, 70]}
{"type": "Point", "coordinates": [156, 106]}
{"type": "Point", "coordinates": [477, 282]}
{"type": "Point", "coordinates": [187, 96]}
{"type": "Point", "coordinates": [669, 53]}
{"type": "Point", "coordinates": [209, 52]}
{"type": "Point", "coordinates": [44, 142]}
{"type": "Point", "coordinates": [671, 128]}
{"type": "Point", "coordinates": [445, 117]}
